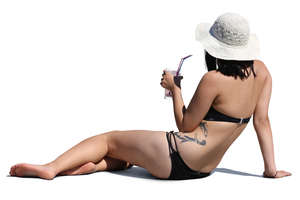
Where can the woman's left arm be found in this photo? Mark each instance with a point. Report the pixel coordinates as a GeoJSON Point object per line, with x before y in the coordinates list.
{"type": "Point", "coordinates": [179, 107]}
{"type": "Point", "coordinates": [173, 84]}
{"type": "Point", "coordinates": [188, 119]}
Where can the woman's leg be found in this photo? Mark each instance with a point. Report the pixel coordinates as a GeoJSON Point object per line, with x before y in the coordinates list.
{"type": "Point", "coordinates": [92, 149]}
{"type": "Point", "coordinates": [147, 149]}
{"type": "Point", "coordinates": [106, 164]}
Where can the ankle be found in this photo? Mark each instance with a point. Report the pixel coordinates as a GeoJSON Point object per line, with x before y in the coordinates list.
{"type": "Point", "coordinates": [52, 168]}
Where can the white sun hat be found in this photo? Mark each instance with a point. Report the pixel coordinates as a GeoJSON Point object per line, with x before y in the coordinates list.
{"type": "Point", "coordinates": [229, 38]}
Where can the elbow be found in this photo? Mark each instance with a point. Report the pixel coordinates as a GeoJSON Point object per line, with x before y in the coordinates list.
{"type": "Point", "coordinates": [181, 129]}
{"type": "Point", "coordinates": [185, 129]}
{"type": "Point", "coordinates": [185, 125]}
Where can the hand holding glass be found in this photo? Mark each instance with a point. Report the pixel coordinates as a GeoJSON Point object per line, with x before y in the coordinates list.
{"type": "Point", "coordinates": [168, 93]}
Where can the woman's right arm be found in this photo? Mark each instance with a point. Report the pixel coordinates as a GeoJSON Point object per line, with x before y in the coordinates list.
{"type": "Point", "coordinates": [262, 127]}
{"type": "Point", "coordinates": [264, 135]}
{"type": "Point", "coordinates": [263, 130]}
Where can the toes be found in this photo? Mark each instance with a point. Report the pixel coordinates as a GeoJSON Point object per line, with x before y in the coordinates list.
{"type": "Point", "coordinates": [12, 170]}
{"type": "Point", "coordinates": [15, 171]}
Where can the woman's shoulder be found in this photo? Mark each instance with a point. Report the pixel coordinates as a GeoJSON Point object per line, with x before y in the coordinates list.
{"type": "Point", "coordinates": [261, 68]}
{"type": "Point", "coordinates": [213, 74]}
{"type": "Point", "coordinates": [210, 77]}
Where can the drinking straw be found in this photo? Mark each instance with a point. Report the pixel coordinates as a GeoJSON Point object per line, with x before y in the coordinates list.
{"type": "Point", "coordinates": [180, 64]}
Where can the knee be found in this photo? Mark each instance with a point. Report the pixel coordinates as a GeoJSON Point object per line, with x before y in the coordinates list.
{"type": "Point", "coordinates": [109, 133]}
{"type": "Point", "coordinates": [110, 140]}
{"type": "Point", "coordinates": [114, 131]}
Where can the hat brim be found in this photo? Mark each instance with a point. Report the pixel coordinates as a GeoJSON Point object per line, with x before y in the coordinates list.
{"type": "Point", "coordinates": [218, 49]}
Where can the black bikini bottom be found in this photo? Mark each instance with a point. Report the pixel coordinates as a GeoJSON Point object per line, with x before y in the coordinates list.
{"type": "Point", "coordinates": [180, 171]}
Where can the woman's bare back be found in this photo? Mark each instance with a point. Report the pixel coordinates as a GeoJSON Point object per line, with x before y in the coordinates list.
{"type": "Point", "coordinates": [237, 99]}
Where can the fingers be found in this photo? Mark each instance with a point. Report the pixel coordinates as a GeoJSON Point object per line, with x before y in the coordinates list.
{"type": "Point", "coordinates": [161, 80]}
{"type": "Point", "coordinates": [282, 173]}
{"type": "Point", "coordinates": [165, 80]}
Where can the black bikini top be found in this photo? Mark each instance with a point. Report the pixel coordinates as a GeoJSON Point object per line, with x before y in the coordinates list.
{"type": "Point", "coordinates": [214, 115]}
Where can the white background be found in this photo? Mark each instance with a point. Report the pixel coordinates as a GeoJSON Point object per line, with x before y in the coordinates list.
{"type": "Point", "coordinates": [73, 69]}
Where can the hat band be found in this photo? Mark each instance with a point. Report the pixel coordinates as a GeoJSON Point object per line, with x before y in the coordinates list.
{"type": "Point", "coordinates": [228, 37]}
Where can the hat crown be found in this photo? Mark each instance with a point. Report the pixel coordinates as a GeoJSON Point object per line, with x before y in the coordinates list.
{"type": "Point", "coordinates": [231, 29]}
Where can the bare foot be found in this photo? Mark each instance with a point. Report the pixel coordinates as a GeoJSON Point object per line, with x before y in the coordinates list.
{"type": "Point", "coordinates": [87, 168]}
{"type": "Point", "coordinates": [29, 170]}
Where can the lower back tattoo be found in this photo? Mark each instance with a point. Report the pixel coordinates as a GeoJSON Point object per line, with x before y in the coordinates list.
{"type": "Point", "coordinates": [198, 138]}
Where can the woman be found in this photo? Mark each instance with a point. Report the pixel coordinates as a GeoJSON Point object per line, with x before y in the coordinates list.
{"type": "Point", "coordinates": [236, 86]}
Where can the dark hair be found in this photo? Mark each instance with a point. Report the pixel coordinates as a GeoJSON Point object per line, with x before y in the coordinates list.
{"type": "Point", "coordinates": [229, 67]}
